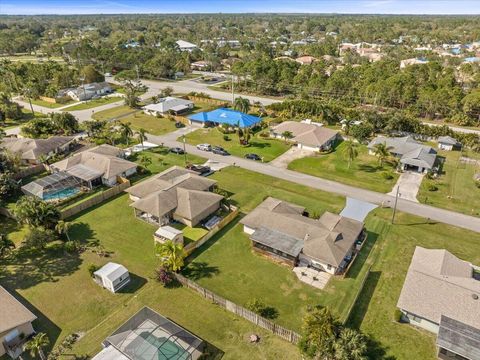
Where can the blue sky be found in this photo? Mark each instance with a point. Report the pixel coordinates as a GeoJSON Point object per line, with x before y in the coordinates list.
{"type": "Point", "coordinates": [30, 7]}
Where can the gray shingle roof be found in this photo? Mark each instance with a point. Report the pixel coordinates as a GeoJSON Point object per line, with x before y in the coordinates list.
{"type": "Point", "coordinates": [438, 283]}
{"type": "Point", "coordinates": [277, 240]}
{"type": "Point", "coordinates": [460, 338]}
{"type": "Point", "coordinates": [448, 140]}
{"type": "Point", "coordinates": [32, 149]}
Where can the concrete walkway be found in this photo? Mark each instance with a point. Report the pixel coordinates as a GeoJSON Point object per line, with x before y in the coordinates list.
{"type": "Point", "coordinates": [408, 185]}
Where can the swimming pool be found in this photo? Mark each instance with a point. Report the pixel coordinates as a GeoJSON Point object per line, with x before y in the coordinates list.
{"type": "Point", "coordinates": [150, 347]}
{"type": "Point", "coordinates": [62, 194]}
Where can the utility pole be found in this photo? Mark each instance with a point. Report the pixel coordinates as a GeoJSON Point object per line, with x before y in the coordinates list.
{"type": "Point", "coordinates": [395, 206]}
{"type": "Point", "coordinates": [184, 151]}
{"type": "Point", "coordinates": [233, 93]}
{"type": "Point", "coordinates": [138, 73]}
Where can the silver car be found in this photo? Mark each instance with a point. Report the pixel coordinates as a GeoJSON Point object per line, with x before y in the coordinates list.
{"type": "Point", "coordinates": [204, 147]}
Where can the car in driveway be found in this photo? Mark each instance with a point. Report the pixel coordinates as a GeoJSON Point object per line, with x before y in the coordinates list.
{"type": "Point", "coordinates": [220, 151]}
{"type": "Point", "coordinates": [253, 157]}
{"type": "Point", "coordinates": [200, 169]}
{"type": "Point", "coordinates": [177, 150]}
{"type": "Point", "coordinates": [179, 125]}
{"type": "Point", "coordinates": [204, 147]}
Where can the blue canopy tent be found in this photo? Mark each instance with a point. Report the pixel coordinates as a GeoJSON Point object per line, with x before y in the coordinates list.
{"type": "Point", "coordinates": [226, 116]}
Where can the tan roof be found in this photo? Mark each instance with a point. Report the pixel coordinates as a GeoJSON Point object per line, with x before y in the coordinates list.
{"type": "Point", "coordinates": [307, 134]}
{"type": "Point", "coordinates": [168, 178]}
{"type": "Point", "coordinates": [104, 158]}
{"type": "Point", "coordinates": [305, 60]}
{"type": "Point", "coordinates": [12, 312]}
{"type": "Point", "coordinates": [327, 239]}
{"type": "Point", "coordinates": [438, 283]}
{"type": "Point", "coordinates": [32, 149]}
{"type": "Point", "coordinates": [176, 189]}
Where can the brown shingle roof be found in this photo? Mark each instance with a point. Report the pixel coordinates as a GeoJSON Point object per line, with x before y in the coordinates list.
{"type": "Point", "coordinates": [438, 283]}
{"type": "Point", "coordinates": [12, 312]}
{"type": "Point", "coordinates": [306, 134]}
{"type": "Point", "coordinates": [32, 149]}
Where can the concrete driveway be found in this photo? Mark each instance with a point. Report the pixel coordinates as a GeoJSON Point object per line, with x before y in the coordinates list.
{"type": "Point", "coordinates": [408, 184]}
{"type": "Point", "coordinates": [288, 156]}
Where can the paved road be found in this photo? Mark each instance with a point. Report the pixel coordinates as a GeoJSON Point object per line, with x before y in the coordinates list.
{"type": "Point", "coordinates": [422, 210]}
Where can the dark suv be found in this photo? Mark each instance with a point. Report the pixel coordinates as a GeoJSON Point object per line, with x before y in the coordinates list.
{"type": "Point", "coordinates": [253, 157]}
{"type": "Point", "coordinates": [220, 151]}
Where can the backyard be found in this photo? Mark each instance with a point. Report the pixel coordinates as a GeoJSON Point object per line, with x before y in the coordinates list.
{"type": "Point", "coordinates": [455, 187]}
{"type": "Point", "coordinates": [266, 148]}
{"type": "Point", "coordinates": [365, 171]}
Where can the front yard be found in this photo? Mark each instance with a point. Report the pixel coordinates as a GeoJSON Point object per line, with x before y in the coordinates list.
{"type": "Point", "coordinates": [153, 125]}
{"type": "Point", "coordinates": [266, 148]}
{"type": "Point", "coordinates": [364, 172]}
{"type": "Point", "coordinates": [90, 104]}
{"type": "Point", "coordinates": [455, 187]}
{"type": "Point", "coordinates": [113, 113]}
{"type": "Point", "coordinates": [50, 105]}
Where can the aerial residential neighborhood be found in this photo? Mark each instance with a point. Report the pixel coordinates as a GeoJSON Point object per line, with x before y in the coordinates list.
{"type": "Point", "coordinates": [240, 180]}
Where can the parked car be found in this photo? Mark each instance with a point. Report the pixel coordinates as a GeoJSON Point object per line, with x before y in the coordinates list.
{"type": "Point", "coordinates": [177, 150]}
{"type": "Point", "coordinates": [253, 157]}
{"type": "Point", "coordinates": [220, 151]}
{"type": "Point", "coordinates": [199, 169]}
{"type": "Point", "coordinates": [179, 125]}
{"type": "Point", "coordinates": [204, 147]}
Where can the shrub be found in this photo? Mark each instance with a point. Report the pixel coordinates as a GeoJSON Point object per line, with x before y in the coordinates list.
{"type": "Point", "coordinates": [432, 187]}
{"type": "Point", "coordinates": [92, 268]}
{"type": "Point", "coordinates": [164, 276]}
{"type": "Point", "coordinates": [398, 315]}
{"type": "Point", "coordinates": [387, 175]}
{"type": "Point", "coordinates": [477, 183]}
{"type": "Point", "coordinates": [258, 307]}
{"type": "Point", "coordinates": [37, 238]}
{"type": "Point", "coordinates": [226, 138]}
{"type": "Point", "coordinates": [70, 246]}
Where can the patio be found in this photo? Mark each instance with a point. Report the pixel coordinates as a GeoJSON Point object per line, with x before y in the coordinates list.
{"type": "Point", "coordinates": [310, 276]}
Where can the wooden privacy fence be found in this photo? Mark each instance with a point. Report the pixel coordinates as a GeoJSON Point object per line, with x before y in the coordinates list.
{"type": "Point", "coordinates": [286, 334]}
{"type": "Point", "coordinates": [94, 200]}
{"type": "Point", "coordinates": [196, 244]}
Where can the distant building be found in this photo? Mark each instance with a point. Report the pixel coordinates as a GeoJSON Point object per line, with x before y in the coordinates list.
{"type": "Point", "coordinates": [306, 60]}
{"type": "Point", "coordinates": [412, 61]}
{"type": "Point", "coordinates": [201, 65]}
{"type": "Point", "coordinates": [441, 294]}
{"type": "Point", "coordinates": [448, 143]}
{"type": "Point", "coordinates": [186, 46]}
{"type": "Point", "coordinates": [89, 91]}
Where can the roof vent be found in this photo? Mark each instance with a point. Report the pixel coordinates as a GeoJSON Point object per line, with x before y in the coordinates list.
{"type": "Point", "coordinates": [475, 296]}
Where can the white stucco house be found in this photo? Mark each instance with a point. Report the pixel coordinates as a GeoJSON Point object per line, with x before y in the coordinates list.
{"type": "Point", "coordinates": [186, 46]}
{"type": "Point", "coordinates": [112, 276]}
{"type": "Point", "coordinates": [167, 105]}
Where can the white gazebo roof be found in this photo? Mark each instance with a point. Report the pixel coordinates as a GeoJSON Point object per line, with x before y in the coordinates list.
{"type": "Point", "coordinates": [111, 271]}
{"type": "Point", "coordinates": [168, 232]}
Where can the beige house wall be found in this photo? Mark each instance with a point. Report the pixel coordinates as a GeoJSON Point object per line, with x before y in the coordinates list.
{"type": "Point", "coordinates": [26, 329]}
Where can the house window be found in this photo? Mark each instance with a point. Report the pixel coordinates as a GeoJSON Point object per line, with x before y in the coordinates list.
{"type": "Point", "coordinates": [329, 267]}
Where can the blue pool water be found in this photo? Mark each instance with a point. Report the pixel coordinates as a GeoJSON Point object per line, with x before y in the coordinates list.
{"type": "Point", "coordinates": [62, 194]}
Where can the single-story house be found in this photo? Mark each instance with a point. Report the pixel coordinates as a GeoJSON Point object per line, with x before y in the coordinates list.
{"type": "Point", "coordinates": [412, 155]}
{"type": "Point", "coordinates": [306, 60]}
{"type": "Point", "coordinates": [175, 194]}
{"type": "Point", "coordinates": [185, 45]}
{"type": "Point", "coordinates": [15, 324]}
{"type": "Point", "coordinates": [168, 233]}
{"type": "Point", "coordinates": [306, 135]}
{"type": "Point", "coordinates": [88, 91]}
{"type": "Point", "coordinates": [201, 65]}
{"type": "Point", "coordinates": [441, 294]}
{"type": "Point", "coordinates": [103, 164]}
{"type": "Point", "coordinates": [448, 143]}
{"type": "Point", "coordinates": [31, 150]}
{"type": "Point", "coordinates": [112, 276]}
{"type": "Point", "coordinates": [167, 105]}
{"type": "Point", "coordinates": [225, 116]}
{"type": "Point", "coordinates": [282, 231]}
{"type": "Point", "coordinates": [149, 335]}
{"type": "Point", "coordinates": [412, 61]}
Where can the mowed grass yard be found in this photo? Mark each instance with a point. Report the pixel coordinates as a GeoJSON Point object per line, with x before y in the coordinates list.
{"type": "Point", "coordinates": [266, 148]}
{"type": "Point", "coordinates": [49, 104]}
{"type": "Point", "coordinates": [364, 172]}
{"type": "Point", "coordinates": [113, 113]}
{"type": "Point", "coordinates": [90, 104]}
{"type": "Point", "coordinates": [152, 124]}
{"type": "Point", "coordinates": [456, 188]}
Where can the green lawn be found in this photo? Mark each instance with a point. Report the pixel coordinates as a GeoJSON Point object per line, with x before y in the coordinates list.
{"type": "Point", "coordinates": [113, 113]}
{"type": "Point", "coordinates": [153, 125]}
{"type": "Point", "coordinates": [374, 312]}
{"type": "Point", "coordinates": [267, 148]}
{"type": "Point", "coordinates": [191, 234]}
{"type": "Point", "coordinates": [94, 103]}
{"type": "Point", "coordinates": [10, 123]}
{"type": "Point", "coordinates": [456, 189]}
{"type": "Point", "coordinates": [364, 172]}
{"type": "Point", "coordinates": [50, 105]}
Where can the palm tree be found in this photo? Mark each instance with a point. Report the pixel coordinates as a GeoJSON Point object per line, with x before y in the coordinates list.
{"type": "Point", "coordinates": [172, 255]}
{"type": "Point", "coordinates": [36, 345]}
{"type": "Point", "coordinates": [62, 227]}
{"type": "Point", "coordinates": [242, 104]}
{"type": "Point", "coordinates": [142, 135]}
{"type": "Point", "coordinates": [382, 151]}
{"type": "Point", "coordinates": [126, 131]}
{"type": "Point", "coordinates": [6, 245]}
{"type": "Point", "coordinates": [351, 151]}
{"type": "Point", "coordinates": [350, 345]}
{"type": "Point", "coordinates": [287, 135]}
{"type": "Point", "coordinates": [347, 125]}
